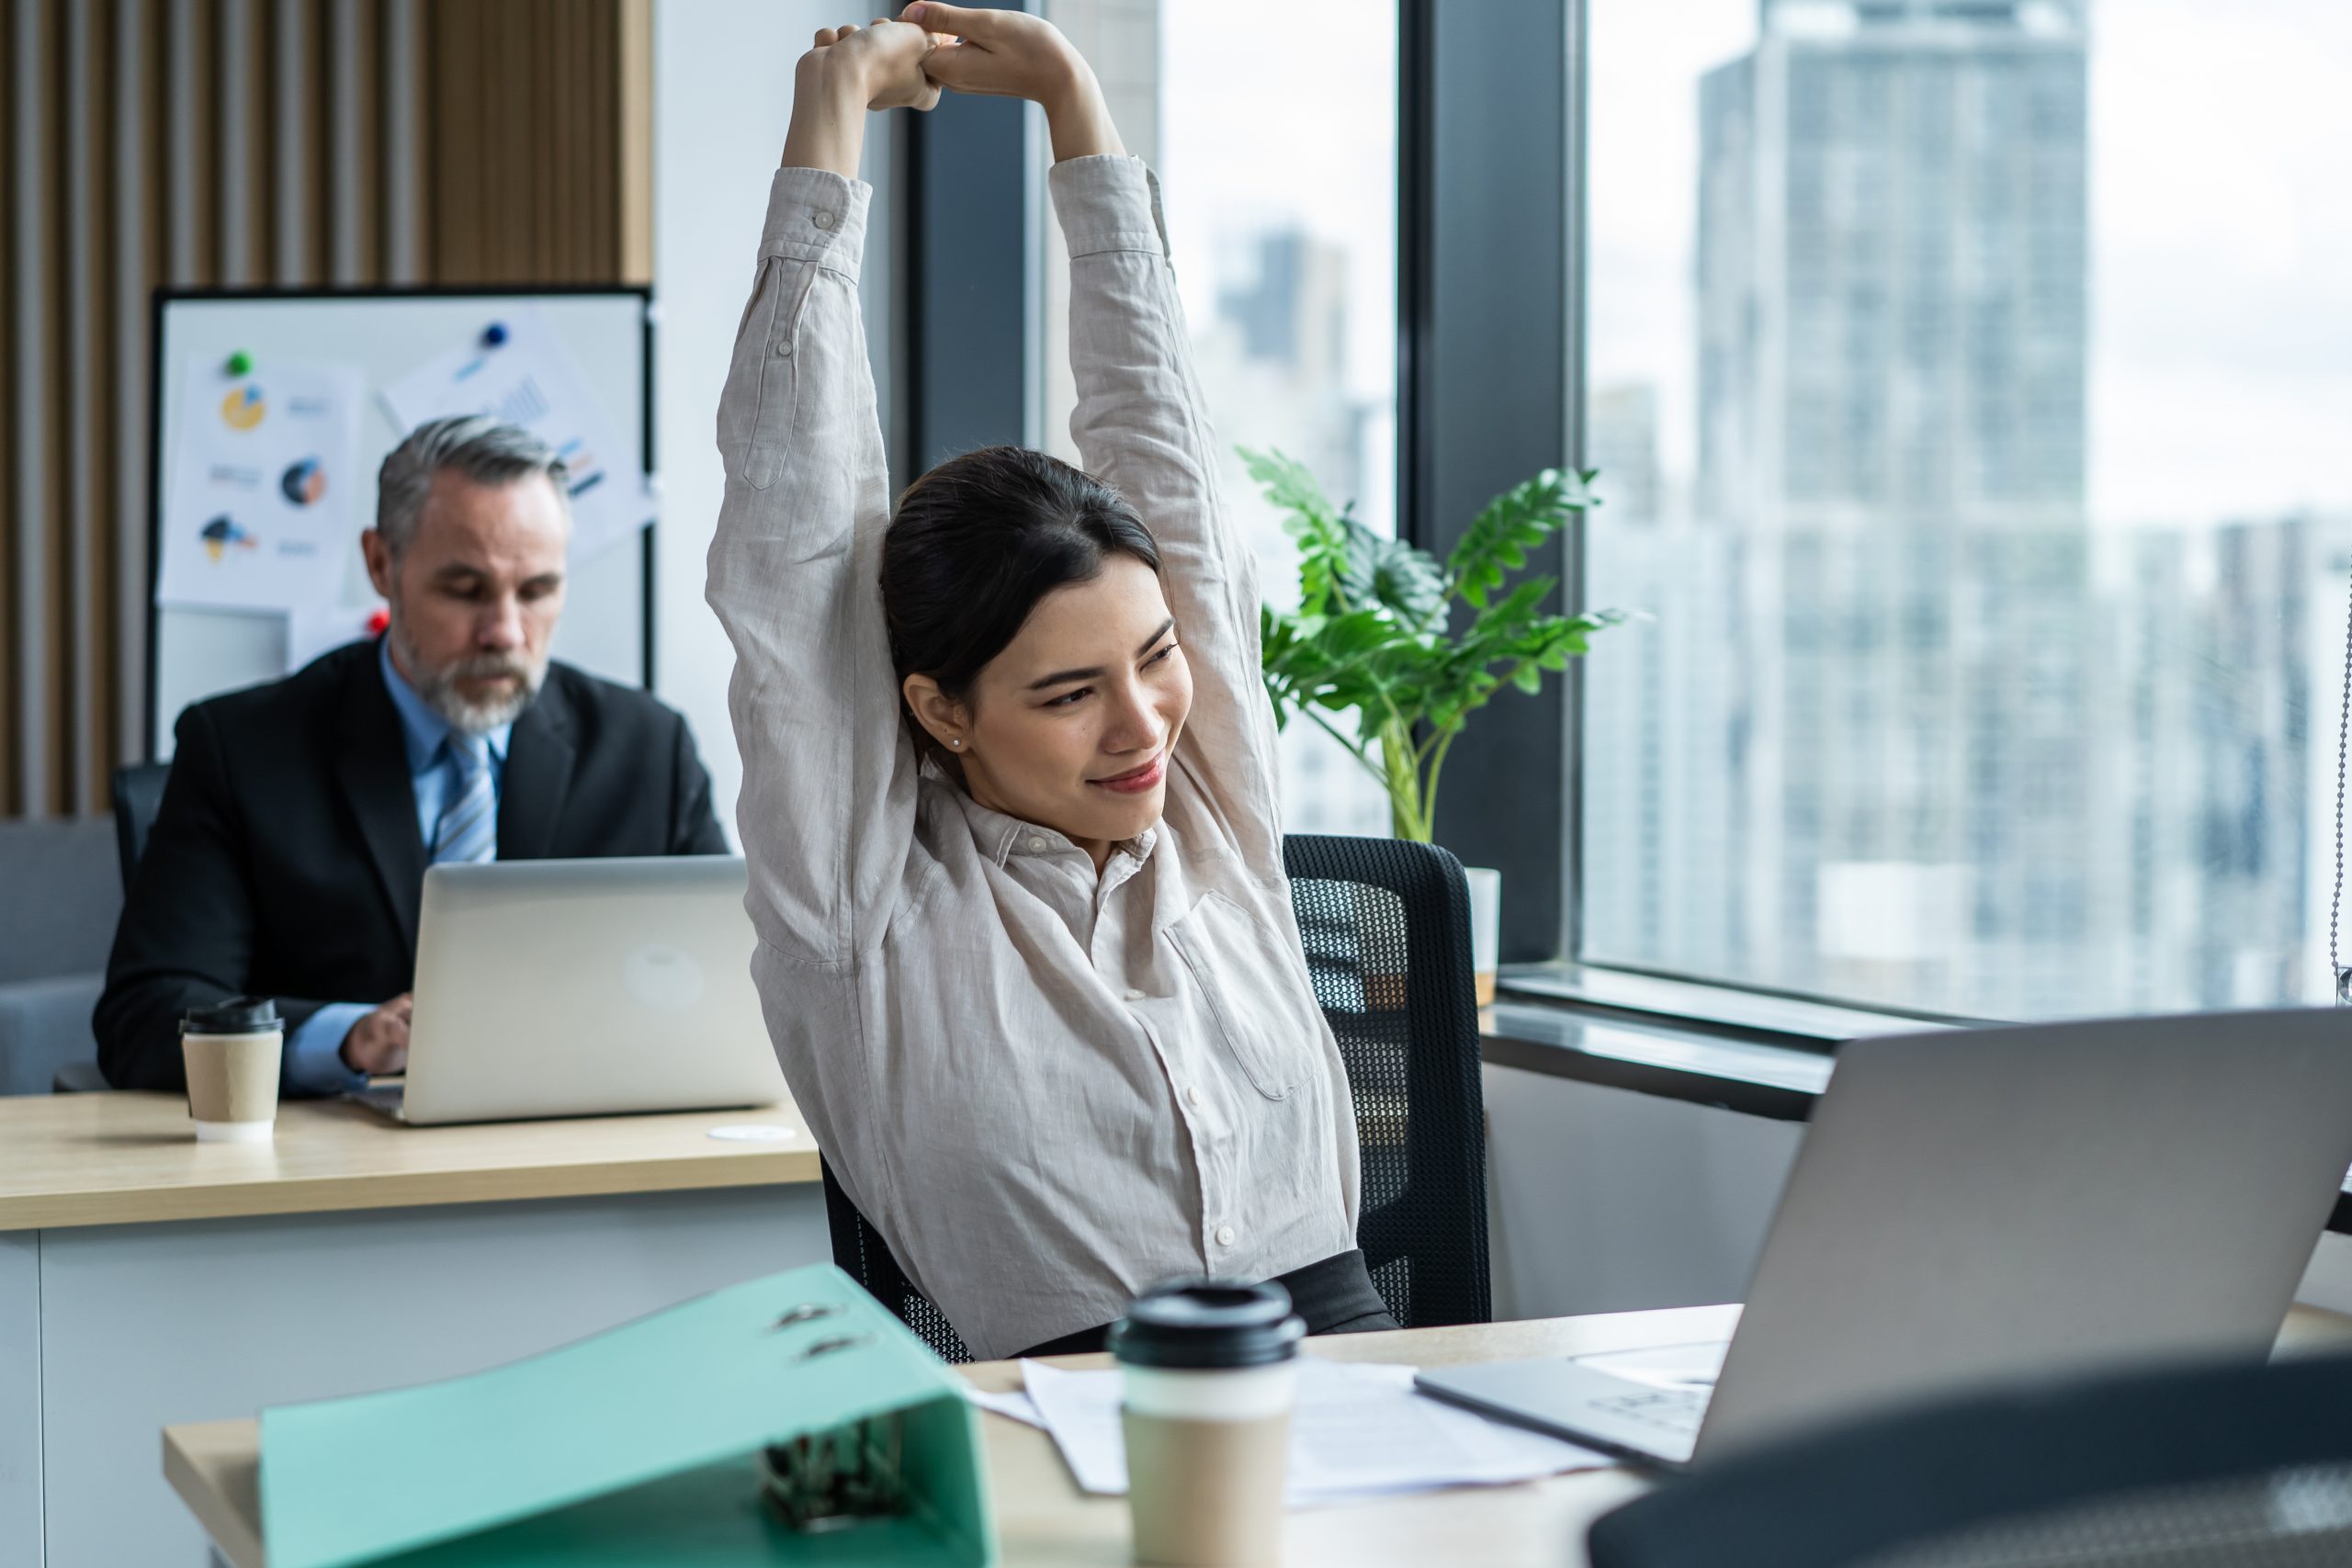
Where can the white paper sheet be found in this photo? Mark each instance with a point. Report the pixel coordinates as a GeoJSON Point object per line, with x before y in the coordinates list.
{"type": "Point", "coordinates": [1016, 1405]}
{"type": "Point", "coordinates": [1359, 1431]}
{"type": "Point", "coordinates": [259, 513]}
{"type": "Point", "coordinates": [530, 380]}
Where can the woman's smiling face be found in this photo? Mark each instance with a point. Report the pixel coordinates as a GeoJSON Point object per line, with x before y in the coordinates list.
{"type": "Point", "coordinates": [1072, 726]}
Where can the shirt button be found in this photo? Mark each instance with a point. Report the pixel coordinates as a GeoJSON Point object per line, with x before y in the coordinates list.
{"type": "Point", "coordinates": [1225, 1235]}
{"type": "Point", "coordinates": [1035, 844]}
{"type": "Point", "coordinates": [1132, 996]}
{"type": "Point", "coordinates": [823, 220]}
{"type": "Point", "coordinates": [1193, 1094]}
{"type": "Point", "coordinates": [784, 346]}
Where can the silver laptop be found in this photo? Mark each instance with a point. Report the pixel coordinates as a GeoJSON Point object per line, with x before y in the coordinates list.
{"type": "Point", "coordinates": [1995, 1204]}
{"type": "Point", "coordinates": [582, 987]}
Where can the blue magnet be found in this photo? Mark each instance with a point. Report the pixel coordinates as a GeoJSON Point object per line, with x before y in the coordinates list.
{"type": "Point", "coordinates": [494, 334]}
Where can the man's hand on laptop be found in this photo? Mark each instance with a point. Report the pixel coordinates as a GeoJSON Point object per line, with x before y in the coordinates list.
{"type": "Point", "coordinates": [378, 1044]}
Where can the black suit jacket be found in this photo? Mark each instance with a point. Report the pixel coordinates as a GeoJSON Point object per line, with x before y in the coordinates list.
{"type": "Point", "coordinates": [286, 859]}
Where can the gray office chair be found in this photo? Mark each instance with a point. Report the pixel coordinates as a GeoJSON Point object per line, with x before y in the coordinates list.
{"type": "Point", "coordinates": [2237, 1466]}
{"type": "Point", "coordinates": [1387, 928]}
{"type": "Point", "coordinates": [138, 795]}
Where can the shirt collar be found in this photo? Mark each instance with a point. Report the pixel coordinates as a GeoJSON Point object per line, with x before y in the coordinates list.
{"type": "Point", "coordinates": [422, 732]}
{"type": "Point", "coordinates": [1001, 838]}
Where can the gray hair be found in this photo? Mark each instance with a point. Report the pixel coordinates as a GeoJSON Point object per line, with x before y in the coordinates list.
{"type": "Point", "coordinates": [476, 445]}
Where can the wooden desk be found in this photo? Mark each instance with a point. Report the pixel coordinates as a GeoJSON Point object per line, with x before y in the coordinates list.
{"type": "Point", "coordinates": [113, 1160]}
{"type": "Point", "coordinates": [1042, 1517]}
{"type": "Point", "coordinates": [146, 1278]}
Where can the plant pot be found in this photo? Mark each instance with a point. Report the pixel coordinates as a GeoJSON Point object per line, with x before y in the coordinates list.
{"type": "Point", "coordinates": [1486, 927]}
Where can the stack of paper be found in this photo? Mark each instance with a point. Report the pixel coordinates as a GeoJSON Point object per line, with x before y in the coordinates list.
{"type": "Point", "coordinates": [1359, 1431]}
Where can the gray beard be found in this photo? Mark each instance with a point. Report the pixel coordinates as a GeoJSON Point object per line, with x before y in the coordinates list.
{"type": "Point", "coordinates": [438, 688]}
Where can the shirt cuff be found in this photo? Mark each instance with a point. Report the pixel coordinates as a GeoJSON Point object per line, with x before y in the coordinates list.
{"type": "Point", "coordinates": [313, 1061]}
{"type": "Point", "coordinates": [1109, 202]}
{"type": "Point", "coordinates": [816, 215]}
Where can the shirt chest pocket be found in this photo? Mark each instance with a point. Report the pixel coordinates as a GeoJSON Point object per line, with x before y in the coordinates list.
{"type": "Point", "coordinates": [1249, 987]}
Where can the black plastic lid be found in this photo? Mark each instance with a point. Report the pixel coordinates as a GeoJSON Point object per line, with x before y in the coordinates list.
{"type": "Point", "coordinates": [238, 1015]}
{"type": "Point", "coordinates": [1204, 1324]}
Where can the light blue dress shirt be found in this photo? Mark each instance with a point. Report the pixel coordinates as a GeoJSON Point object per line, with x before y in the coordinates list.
{"type": "Point", "coordinates": [312, 1064]}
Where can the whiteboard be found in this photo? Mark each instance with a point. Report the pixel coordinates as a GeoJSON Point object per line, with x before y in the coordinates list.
{"type": "Point", "coordinates": [607, 619]}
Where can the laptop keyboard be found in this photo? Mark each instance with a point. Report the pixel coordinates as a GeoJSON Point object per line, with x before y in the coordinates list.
{"type": "Point", "coordinates": [384, 1098]}
{"type": "Point", "coordinates": [1667, 1409]}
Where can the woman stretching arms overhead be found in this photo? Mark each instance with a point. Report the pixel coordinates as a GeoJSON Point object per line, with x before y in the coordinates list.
{"type": "Point", "coordinates": [1026, 951]}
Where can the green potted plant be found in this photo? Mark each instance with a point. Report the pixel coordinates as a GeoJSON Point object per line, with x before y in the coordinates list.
{"type": "Point", "coordinates": [1375, 635]}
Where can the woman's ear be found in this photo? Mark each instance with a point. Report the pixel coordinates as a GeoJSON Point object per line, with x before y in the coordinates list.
{"type": "Point", "coordinates": [941, 716]}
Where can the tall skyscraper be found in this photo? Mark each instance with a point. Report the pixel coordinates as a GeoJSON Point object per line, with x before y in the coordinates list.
{"type": "Point", "coordinates": [1893, 266]}
{"type": "Point", "coordinates": [1892, 333]}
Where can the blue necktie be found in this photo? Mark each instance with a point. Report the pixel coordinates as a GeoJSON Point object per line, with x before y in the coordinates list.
{"type": "Point", "coordinates": [468, 828]}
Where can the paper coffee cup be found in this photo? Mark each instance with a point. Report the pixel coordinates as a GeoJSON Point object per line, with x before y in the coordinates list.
{"type": "Point", "coordinates": [232, 1051]}
{"type": "Point", "coordinates": [1210, 1375]}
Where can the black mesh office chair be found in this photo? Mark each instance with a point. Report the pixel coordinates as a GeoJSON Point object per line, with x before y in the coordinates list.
{"type": "Point", "coordinates": [138, 795]}
{"type": "Point", "coordinates": [1386, 926]}
{"type": "Point", "coordinates": [2215, 1467]}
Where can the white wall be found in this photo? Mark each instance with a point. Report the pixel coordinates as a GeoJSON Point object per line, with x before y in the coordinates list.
{"type": "Point", "coordinates": [1602, 1199]}
{"type": "Point", "coordinates": [722, 96]}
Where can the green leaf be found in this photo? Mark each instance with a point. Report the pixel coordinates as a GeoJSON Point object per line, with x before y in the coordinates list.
{"type": "Point", "coordinates": [1319, 528]}
{"type": "Point", "coordinates": [1405, 581]}
{"type": "Point", "coordinates": [1509, 525]}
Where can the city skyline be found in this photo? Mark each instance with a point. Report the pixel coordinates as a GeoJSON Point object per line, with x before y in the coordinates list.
{"type": "Point", "coordinates": [2219, 328]}
{"type": "Point", "coordinates": [1909, 728]}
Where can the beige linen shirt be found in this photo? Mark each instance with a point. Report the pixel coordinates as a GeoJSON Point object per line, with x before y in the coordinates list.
{"type": "Point", "coordinates": [1045, 1088]}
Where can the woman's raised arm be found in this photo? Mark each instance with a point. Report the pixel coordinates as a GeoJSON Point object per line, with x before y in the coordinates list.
{"type": "Point", "coordinates": [1140, 422]}
{"type": "Point", "coordinates": [827, 806]}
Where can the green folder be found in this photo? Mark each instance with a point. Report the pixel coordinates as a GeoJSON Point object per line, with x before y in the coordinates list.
{"type": "Point", "coordinates": [641, 1446]}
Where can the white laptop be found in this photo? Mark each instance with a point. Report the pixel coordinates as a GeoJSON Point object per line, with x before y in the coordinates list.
{"type": "Point", "coordinates": [582, 987]}
{"type": "Point", "coordinates": [1990, 1206]}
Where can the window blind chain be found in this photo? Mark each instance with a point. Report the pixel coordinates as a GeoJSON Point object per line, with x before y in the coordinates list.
{"type": "Point", "coordinates": [2336, 900]}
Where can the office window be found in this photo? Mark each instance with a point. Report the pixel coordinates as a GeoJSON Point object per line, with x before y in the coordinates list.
{"type": "Point", "coordinates": [1970, 384]}
{"type": "Point", "coordinates": [1281, 197]}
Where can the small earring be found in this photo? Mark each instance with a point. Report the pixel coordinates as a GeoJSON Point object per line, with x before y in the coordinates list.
{"type": "Point", "coordinates": [957, 744]}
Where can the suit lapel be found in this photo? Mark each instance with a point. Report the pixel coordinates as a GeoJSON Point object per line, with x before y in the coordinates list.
{"type": "Point", "coordinates": [373, 766]}
{"type": "Point", "coordinates": [539, 755]}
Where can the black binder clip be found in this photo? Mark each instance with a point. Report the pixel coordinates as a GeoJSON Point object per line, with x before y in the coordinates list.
{"type": "Point", "coordinates": [837, 1480]}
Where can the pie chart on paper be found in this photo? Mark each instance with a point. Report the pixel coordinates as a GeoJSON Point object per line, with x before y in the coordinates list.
{"type": "Point", "coordinates": [243, 408]}
{"type": "Point", "coordinates": [304, 483]}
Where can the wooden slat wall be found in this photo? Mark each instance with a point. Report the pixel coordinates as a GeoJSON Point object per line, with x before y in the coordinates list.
{"type": "Point", "coordinates": [294, 142]}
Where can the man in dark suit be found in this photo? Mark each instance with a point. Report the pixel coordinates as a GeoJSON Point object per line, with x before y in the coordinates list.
{"type": "Point", "coordinates": [287, 858]}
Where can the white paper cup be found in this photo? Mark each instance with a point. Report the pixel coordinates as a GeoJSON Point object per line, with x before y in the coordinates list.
{"type": "Point", "coordinates": [1209, 1379]}
{"type": "Point", "coordinates": [231, 1055]}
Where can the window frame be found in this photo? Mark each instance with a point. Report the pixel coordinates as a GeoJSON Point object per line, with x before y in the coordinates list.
{"type": "Point", "coordinates": [1488, 231]}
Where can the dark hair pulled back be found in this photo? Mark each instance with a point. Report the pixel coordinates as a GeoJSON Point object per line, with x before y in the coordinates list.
{"type": "Point", "coordinates": [978, 542]}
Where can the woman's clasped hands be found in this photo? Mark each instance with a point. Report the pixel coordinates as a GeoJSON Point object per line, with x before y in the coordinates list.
{"type": "Point", "coordinates": [904, 63]}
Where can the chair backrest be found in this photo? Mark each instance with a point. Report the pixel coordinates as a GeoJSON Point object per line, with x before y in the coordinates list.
{"type": "Point", "coordinates": [138, 795]}
{"type": "Point", "coordinates": [2233, 1466]}
{"type": "Point", "coordinates": [860, 1252]}
{"type": "Point", "coordinates": [67, 928]}
{"type": "Point", "coordinates": [1386, 925]}
{"type": "Point", "coordinates": [1387, 928]}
